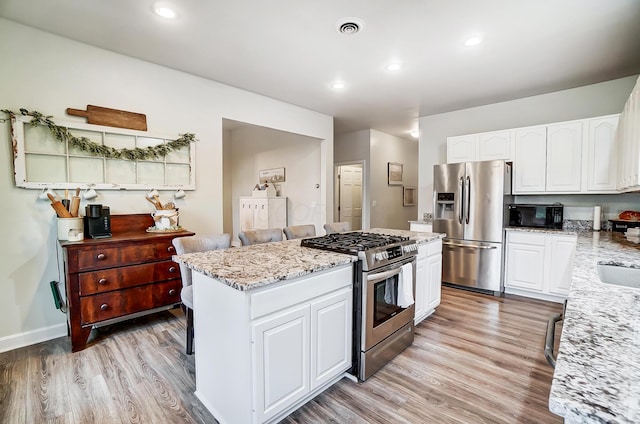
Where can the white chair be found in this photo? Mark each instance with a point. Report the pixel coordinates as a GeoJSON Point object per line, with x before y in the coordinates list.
{"type": "Point", "coordinates": [250, 237]}
{"type": "Point", "coordinates": [299, 231]}
{"type": "Point", "coordinates": [337, 227]}
{"type": "Point", "coordinates": [190, 245]}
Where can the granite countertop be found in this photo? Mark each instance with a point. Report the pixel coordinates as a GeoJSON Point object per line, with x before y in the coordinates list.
{"type": "Point", "coordinates": [597, 374]}
{"type": "Point", "coordinates": [541, 230]}
{"type": "Point", "coordinates": [418, 236]}
{"type": "Point", "coordinates": [249, 267]}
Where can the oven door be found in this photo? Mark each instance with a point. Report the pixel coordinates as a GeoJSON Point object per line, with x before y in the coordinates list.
{"type": "Point", "coordinates": [382, 314]}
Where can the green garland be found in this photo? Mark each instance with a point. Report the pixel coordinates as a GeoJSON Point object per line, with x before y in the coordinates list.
{"type": "Point", "coordinates": [86, 145]}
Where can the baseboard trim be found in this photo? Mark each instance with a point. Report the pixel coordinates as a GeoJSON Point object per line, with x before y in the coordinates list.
{"type": "Point", "coordinates": [16, 341]}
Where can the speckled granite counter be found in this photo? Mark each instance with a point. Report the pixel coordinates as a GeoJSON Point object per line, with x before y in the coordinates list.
{"type": "Point", "coordinates": [597, 374]}
{"type": "Point", "coordinates": [418, 236]}
{"type": "Point", "coordinates": [245, 268]}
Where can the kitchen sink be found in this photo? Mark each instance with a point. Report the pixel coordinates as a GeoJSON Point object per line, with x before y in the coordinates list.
{"type": "Point", "coordinates": [619, 275]}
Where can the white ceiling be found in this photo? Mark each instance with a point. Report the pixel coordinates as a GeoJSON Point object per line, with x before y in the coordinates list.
{"type": "Point", "coordinates": [290, 49]}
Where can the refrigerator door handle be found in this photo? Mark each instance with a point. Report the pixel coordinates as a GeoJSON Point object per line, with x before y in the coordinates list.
{"type": "Point", "coordinates": [461, 203]}
{"type": "Point", "coordinates": [472, 246]}
{"type": "Point", "coordinates": [467, 193]}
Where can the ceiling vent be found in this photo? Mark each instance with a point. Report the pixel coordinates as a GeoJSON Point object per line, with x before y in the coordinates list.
{"type": "Point", "coordinates": [349, 26]}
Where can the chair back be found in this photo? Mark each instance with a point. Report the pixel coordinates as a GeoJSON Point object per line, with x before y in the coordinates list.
{"type": "Point", "coordinates": [250, 237]}
{"type": "Point", "coordinates": [299, 231]}
{"type": "Point", "coordinates": [337, 227]}
{"type": "Point", "coordinates": [193, 244]}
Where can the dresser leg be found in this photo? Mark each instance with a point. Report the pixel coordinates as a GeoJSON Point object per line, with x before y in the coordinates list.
{"type": "Point", "coordinates": [79, 337]}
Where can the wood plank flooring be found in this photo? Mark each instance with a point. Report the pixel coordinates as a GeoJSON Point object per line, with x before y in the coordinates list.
{"type": "Point", "coordinates": [478, 359]}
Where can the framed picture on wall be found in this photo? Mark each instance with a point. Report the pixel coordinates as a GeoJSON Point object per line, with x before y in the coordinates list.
{"type": "Point", "coordinates": [273, 175]}
{"type": "Point", "coordinates": [409, 196]}
{"type": "Point", "coordinates": [394, 173]}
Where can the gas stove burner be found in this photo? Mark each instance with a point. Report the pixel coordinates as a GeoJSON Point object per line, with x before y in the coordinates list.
{"type": "Point", "coordinates": [352, 242]}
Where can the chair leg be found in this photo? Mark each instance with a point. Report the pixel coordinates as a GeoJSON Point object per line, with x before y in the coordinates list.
{"type": "Point", "coordinates": [190, 332]}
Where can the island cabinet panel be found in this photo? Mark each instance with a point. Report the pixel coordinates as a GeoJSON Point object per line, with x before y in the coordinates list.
{"type": "Point", "coordinates": [111, 278]}
{"type": "Point", "coordinates": [258, 358]}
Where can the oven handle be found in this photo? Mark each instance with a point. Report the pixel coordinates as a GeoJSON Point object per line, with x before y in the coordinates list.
{"type": "Point", "coordinates": [472, 246]}
{"type": "Point", "coordinates": [384, 275]}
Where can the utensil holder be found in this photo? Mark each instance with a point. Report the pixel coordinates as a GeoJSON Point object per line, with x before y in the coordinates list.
{"type": "Point", "coordinates": [71, 229]}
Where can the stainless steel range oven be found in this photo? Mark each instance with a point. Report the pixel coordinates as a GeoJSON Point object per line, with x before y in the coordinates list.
{"type": "Point", "coordinates": [384, 288]}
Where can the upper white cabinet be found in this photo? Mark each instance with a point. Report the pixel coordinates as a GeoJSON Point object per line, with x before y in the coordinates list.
{"type": "Point", "coordinates": [492, 145]}
{"type": "Point", "coordinates": [263, 213]}
{"type": "Point", "coordinates": [564, 157]}
{"type": "Point", "coordinates": [530, 161]}
{"type": "Point", "coordinates": [572, 157]}
{"type": "Point", "coordinates": [462, 148]}
{"type": "Point", "coordinates": [601, 164]}
{"type": "Point", "coordinates": [628, 140]}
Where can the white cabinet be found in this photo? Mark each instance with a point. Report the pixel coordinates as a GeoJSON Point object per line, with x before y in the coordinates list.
{"type": "Point", "coordinates": [262, 213]}
{"type": "Point", "coordinates": [262, 353]}
{"type": "Point", "coordinates": [530, 160]}
{"type": "Point", "coordinates": [428, 279]}
{"type": "Point", "coordinates": [539, 265]}
{"type": "Point", "coordinates": [564, 157]}
{"type": "Point", "coordinates": [628, 141]}
{"type": "Point", "coordinates": [492, 145]}
{"type": "Point", "coordinates": [281, 344]}
{"type": "Point", "coordinates": [602, 157]}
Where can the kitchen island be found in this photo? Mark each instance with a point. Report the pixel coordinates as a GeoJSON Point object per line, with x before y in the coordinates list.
{"type": "Point", "coordinates": [597, 374]}
{"type": "Point", "coordinates": [273, 325]}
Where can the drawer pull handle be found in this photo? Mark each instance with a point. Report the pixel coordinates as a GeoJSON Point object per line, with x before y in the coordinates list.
{"type": "Point", "coordinates": [102, 281]}
{"type": "Point", "coordinates": [104, 307]}
{"type": "Point", "coordinates": [171, 249]}
{"type": "Point", "coordinates": [101, 256]}
{"type": "Point", "coordinates": [172, 269]}
{"type": "Point", "coordinates": [172, 292]}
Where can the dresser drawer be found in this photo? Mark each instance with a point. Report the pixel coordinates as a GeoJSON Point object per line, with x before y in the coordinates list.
{"type": "Point", "coordinates": [128, 276]}
{"type": "Point", "coordinates": [98, 257]}
{"type": "Point", "coordinates": [104, 306]}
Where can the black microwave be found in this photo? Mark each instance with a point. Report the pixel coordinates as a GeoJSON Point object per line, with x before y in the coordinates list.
{"type": "Point", "coordinates": [537, 216]}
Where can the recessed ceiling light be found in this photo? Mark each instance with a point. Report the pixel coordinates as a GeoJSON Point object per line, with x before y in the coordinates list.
{"type": "Point", "coordinates": [473, 40]}
{"type": "Point", "coordinates": [395, 66]}
{"type": "Point", "coordinates": [415, 134]}
{"type": "Point", "coordinates": [163, 9]}
{"type": "Point", "coordinates": [338, 85]}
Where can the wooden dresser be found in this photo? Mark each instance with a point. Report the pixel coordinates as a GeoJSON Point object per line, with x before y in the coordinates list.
{"type": "Point", "coordinates": [110, 278]}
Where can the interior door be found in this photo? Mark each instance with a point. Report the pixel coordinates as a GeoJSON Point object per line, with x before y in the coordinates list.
{"type": "Point", "coordinates": [350, 207]}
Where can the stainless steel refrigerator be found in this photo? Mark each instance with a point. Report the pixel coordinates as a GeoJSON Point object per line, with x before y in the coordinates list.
{"type": "Point", "coordinates": [470, 201]}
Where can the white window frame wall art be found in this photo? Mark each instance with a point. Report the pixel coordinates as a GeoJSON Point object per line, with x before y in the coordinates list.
{"type": "Point", "coordinates": [40, 160]}
{"type": "Point", "coordinates": [394, 173]}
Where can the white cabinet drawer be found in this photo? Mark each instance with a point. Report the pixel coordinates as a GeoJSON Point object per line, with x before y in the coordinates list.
{"type": "Point", "coordinates": [274, 299]}
{"type": "Point", "coordinates": [536, 239]}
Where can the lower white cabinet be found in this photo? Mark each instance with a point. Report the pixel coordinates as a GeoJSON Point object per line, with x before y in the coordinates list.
{"type": "Point", "coordinates": [539, 264]}
{"type": "Point", "coordinates": [261, 354]}
{"type": "Point", "coordinates": [428, 279]}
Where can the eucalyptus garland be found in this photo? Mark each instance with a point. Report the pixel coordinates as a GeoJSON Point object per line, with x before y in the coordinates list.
{"type": "Point", "coordinates": [63, 135]}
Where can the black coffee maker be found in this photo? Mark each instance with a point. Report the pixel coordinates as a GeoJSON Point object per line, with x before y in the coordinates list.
{"type": "Point", "coordinates": [97, 221]}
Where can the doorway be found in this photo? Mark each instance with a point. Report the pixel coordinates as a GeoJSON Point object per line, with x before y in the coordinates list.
{"type": "Point", "coordinates": [350, 192]}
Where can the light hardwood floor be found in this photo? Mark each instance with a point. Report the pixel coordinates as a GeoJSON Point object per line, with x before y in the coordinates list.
{"type": "Point", "coordinates": [478, 359]}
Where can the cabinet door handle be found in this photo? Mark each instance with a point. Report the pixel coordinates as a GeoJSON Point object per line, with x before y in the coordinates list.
{"type": "Point", "coordinates": [104, 307]}
{"type": "Point", "coordinates": [101, 256]}
{"type": "Point", "coordinates": [172, 292]}
{"type": "Point", "coordinates": [172, 269]}
{"type": "Point", "coordinates": [171, 249]}
{"type": "Point", "coordinates": [102, 281]}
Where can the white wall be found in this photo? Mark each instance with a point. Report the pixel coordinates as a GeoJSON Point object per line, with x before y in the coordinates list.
{"type": "Point", "coordinates": [582, 102]}
{"type": "Point", "coordinates": [254, 148]}
{"type": "Point", "coordinates": [47, 73]}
